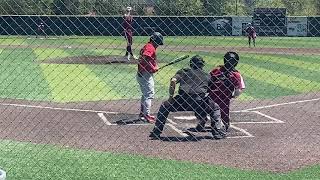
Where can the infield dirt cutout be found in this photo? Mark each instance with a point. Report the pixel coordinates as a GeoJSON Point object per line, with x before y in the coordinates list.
{"type": "Point", "coordinates": [85, 59]}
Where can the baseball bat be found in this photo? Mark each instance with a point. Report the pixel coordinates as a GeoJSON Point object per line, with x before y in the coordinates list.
{"type": "Point", "coordinates": [175, 61]}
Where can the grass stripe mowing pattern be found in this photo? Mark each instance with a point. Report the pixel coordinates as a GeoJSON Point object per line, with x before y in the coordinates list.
{"type": "Point", "coordinates": [122, 80]}
{"type": "Point", "coordinates": [290, 61]}
{"type": "Point", "coordinates": [71, 83]}
{"type": "Point", "coordinates": [287, 68]}
{"type": "Point", "coordinates": [21, 77]}
{"type": "Point", "coordinates": [257, 89]}
{"type": "Point", "coordinates": [119, 78]}
{"type": "Point", "coordinates": [12, 41]}
{"type": "Point", "coordinates": [50, 53]}
{"type": "Point", "coordinates": [285, 74]}
{"type": "Point", "coordinates": [36, 161]}
{"type": "Point", "coordinates": [279, 79]}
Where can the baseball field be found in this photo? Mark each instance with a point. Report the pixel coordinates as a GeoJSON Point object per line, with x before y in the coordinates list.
{"type": "Point", "coordinates": [61, 98]}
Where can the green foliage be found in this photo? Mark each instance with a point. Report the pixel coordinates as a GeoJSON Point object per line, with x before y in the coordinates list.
{"type": "Point", "coordinates": [162, 7]}
{"type": "Point", "coordinates": [107, 7]}
{"type": "Point", "coordinates": [269, 3]}
{"type": "Point", "coordinates": [16, 7]}
{"type": "Point", "coordinates": [179, 7]}
{"type": "Point", "coordinates": [65, 7]}
{"type": "Point", "coordinates": [214, 7]}
{"type": "Point", "coordinates": [317, 6]}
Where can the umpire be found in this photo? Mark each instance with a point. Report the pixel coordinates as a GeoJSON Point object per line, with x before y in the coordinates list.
{"type": "Point", "coordinates": [192, 96]}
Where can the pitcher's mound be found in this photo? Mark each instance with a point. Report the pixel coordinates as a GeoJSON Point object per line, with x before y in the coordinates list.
{"type": "Point", "coordinates": [91, 60]}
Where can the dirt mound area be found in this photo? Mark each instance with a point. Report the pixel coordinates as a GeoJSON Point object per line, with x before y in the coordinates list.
{"type": "Point", "coordinates": [91, 60]}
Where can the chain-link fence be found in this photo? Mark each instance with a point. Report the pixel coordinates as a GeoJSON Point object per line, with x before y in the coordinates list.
{"type": "Point", "coordinates": [157, 89]}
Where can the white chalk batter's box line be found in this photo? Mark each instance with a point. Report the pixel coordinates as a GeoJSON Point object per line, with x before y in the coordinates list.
{"type": "Point", "coordinates": [244, 131]}
{"type": "Point", "coordinates": [105, 120]}
{"type": "Point", "coordinates": [172, 124]}
{"type": "Point", "coordinates": [273, 119]}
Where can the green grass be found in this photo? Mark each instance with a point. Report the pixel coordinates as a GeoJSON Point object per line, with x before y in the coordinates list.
{"type": "Point", "coordinates": [21, 77]}
{"type": "Point", "coordinates": [31, 161]}
{"type": "Point", "coordinates": [216, 41]}
{"type": "Point", "coordinates": [25, 76]}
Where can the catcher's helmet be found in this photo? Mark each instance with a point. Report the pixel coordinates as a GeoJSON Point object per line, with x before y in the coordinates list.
{"type": "Point", "coordinates": [197, 62]}
{"type": "Point", "coordinates": [231, 59]}
{"type": "Point", "coordinates": [157, 38]}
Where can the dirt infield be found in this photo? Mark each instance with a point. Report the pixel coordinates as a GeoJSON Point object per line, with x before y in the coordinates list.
{"type": "Point", "coordinates": [277, 136]}
{"type": "Point", "coordinates": [92, 60]}
{"type": "Point", "coordinates": [256, 50]}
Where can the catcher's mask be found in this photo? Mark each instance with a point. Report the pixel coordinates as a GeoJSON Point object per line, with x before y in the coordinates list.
{"type": "Point", "coordinates": [197, 62]}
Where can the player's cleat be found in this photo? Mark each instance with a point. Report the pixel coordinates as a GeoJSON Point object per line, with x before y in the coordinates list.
{"type": "Point", "coordinates": [198, 128]}
{"type": "Point", "coordinates": [154, 136]}
{"type": "Point", "coordinates": [218, 134]}
{"type": "Point", "coordinates": [227, 127]}
{"type": "Point", "coordinates": [135, 57]}
{"type": "Point", "coordinates": [201, 127]}
{"type": "Point", "coordinates": [128, 57]}
{"type": "Point", "coordinates": [149, 118]}
{"type": "Point", "coordinates": [141, 115]}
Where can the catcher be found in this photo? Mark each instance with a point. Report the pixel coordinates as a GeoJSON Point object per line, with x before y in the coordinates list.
{"type": "Point", "coordinates": [225, 83]}
{"type": "Point", "coordinates": [191, 97]}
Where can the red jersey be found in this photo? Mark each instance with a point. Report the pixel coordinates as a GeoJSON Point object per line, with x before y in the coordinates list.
{"type": "Point", "coordinates": [147, 60]}
{"type": "Point", "coordinates": [127, 24]}
{"type": "Point", "coordinates": [223, 85]}
{"type": "Point", "coordinates": [251, 31]}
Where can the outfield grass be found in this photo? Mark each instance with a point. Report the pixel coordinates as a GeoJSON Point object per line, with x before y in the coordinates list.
{"type": "Point", "coordinates": [216, 41]}
{"type": "Point", "coordinates": [25, 76]}
{"type": "Point", "coordinates": [31, 161]}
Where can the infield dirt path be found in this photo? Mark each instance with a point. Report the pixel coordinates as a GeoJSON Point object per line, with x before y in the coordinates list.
{"type": "Point", "coordinates": [257, 50]}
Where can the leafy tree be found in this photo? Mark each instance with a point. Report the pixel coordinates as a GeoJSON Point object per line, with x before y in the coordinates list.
{"type": "Point", "coordinates": [179, 7]}
{"type": "Point", "coordinates": [269, 3]}
{"type": "Point", "coordinates": [248, 6]}
{"type": "Point", "coordinates": [107, 7]}
{"type": "Point", "coordinates": [65, 7]}
{"type": "Point", "coordinates": [14, 7]}
{"type": "Point", "coordinates": [86, 7]}
{"type": "Point", "coordinates": [317, 7]}
{"type": "Point", "coordinates": [214, 7]}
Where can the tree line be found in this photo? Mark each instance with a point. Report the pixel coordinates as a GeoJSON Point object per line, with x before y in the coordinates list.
{"type": "Point", "coordinates": [158, 7]}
